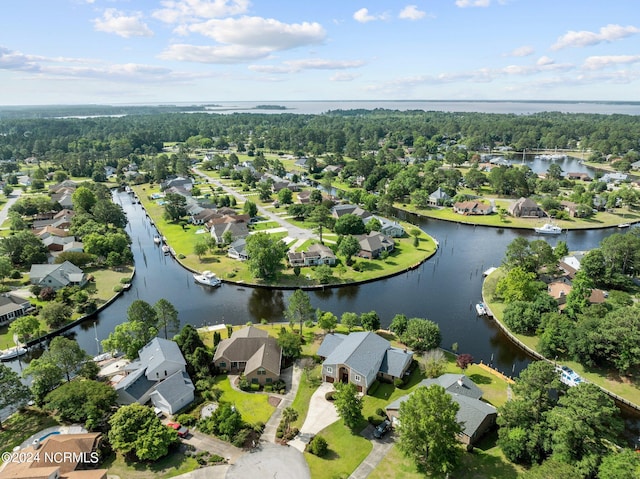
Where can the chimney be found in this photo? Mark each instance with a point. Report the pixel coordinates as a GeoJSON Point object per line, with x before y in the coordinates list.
{"type": "Point", "coordinates": [460, 381]}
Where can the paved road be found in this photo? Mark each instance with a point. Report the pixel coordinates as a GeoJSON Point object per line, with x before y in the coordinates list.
{"type": "Point", "coordinates": [4, 212]}
{"type": "Point", "coordinates": [269, 461]}
{"type": "Point", "coordinates": [293, 231]}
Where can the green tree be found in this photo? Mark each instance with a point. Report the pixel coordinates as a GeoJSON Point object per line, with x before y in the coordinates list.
{"type": "Point", "coordinates": [291, 343]}
{"type": "Point", "coordinates": [328, 321]}
{"type": "Point", "coordinates": [45, 375]}
{"type": "Point", "coordinates": [167, 317]}
{"type": "Point", "coordinates": [200, 248]}
{"type": "Point", "coordinates": [55, 314]}
{"type": "Point", "coordinates": [289, 415]}
{"type": "Point", "coordinates": [14, 393]}
{"type": "Point", "coordinates": [25, 328]}
{"type": "Point", "coordinates": [348, 404]}
{"type": "Point", "coordinates": [349, 224]}
{"type": "Point", "coordinates": [370, 321]}
{"type": "Point", "coordinates": [624, 464]}
{"type": "Point", "coordinates": [129, 337]}
{"type": "Point", "coordinates": [350, 320]}
{"type": "Point", "coordinates": [175, 207]}
{"type": "Point", "coordinates": [299, 309]}
{"type": "Point", "coordinates": [83, 199]}
{"type": "Point", "coordinates": [518, 285]}
{"type": "Point", "coordinates": [285, 196]}
{"type": "Point", "coordinates": [323, 273]}
{"type": "Point", "coordinates": [89, 402]}
{"type": "Point", "coordinates": [399, 324]}
{"type": "Point", "coordinates": [265, 254]}
{"type": "Point", "coordinates": [108, 213]}
{"type": "Point", "coordinates": [23, 248]}
{"type": "Point", "coordinates": [518, 255]}
{"type": "Point", "coordinates": [537, 384]}
{"type": "Point", "coordinates": [142, 312]}
{"type": "Point", "coordinates": [250, 208]}
{"type": "Point", "coordinates": [421, 335]}
{"type": "Point", "coordinates": [349, 246]}
{"type": "Point", "coordinates": [428, 428]}
{"type": "Point", "coordinates": [138, 433]}
{"type": "Point", "coordinates": [66, 354]}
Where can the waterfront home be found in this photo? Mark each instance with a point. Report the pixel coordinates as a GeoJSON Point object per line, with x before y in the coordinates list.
{"type": "Point", "coordinates": [61, 220]}
{"type": "Point", "coordinates": [159, 375]}
{"type": "Point", "coordinates": [614, 178]}
{"type": "Point", "coordinates": [472, 208]}
{"type": "Point", "coordinates": [390, 228]}
{"type": "Point", "coordinates": [57, 276]}
{"type": "Point", "coordinates": [475, 415]}
{"type": "Point", "coordinates": [340, 210]}
{"type": "Point", "coordinates": [526, 208]}
{"type": "Point", "coordinates": [439, 198]}
{"type": "Point", "coordinates": [315, 255]}
{"type": "Point", "coordinates": [250, 351]}
{"type": "Point", "coordinates": [238, 250]}
{"type": "Point", "coordinates": [360, 358]}
{"type": "Point", "coordinates": [12, 307]}
{"type": "Point", "coordinates": [373, 244]}
{"type": "Point", "coordinates": [180, 183]}
{"type": "Point", "coordinates": [235, 229]}
{"type": "Point", "coordinates": [578, 176]}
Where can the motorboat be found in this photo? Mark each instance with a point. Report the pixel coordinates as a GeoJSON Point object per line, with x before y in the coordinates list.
{"type": "Point", "coordinates": [156, 239]}
{"type": "Point", "coordinates": [207, 278]}
{"type": "Point", "coordinates": [12, 353]}
{"type": "Point", "coordinates": [624, 225]}
{"type": "Point", "coordinates": [165, 249]}
{"type": "Point", "coordinates": [549, 229]}
{"type": "Point", "coordinates": [481, 309]}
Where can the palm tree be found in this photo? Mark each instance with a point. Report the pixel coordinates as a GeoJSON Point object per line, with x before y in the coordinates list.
{"type": "Point", "coordinates": [288, 416]}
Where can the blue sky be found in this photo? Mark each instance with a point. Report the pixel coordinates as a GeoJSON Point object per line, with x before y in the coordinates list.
{"type": "Point", "coordinates": [144, 51]}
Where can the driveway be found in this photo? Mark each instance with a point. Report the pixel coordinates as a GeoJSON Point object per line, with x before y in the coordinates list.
{"type": "Point", "coordinates": [291, 377]}
{"type": "Point", "coordinates": [270, 460]}
{"type": "Point", "coordinates": [322, 413]}
{"type": "Point", "coordinates": [202, 442]}
{"type": "Point", "coordinates": [13, 197]}
{"type": "Point", "coordinates": [380, 449]}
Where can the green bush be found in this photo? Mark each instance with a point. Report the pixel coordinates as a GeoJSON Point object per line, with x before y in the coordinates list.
{"type": "Point", "coordinates": [181, 256]}
{"type": "Point", "coordinates": [318, 446]}
{"type": "Point", "coordinates": [255, 387]}
{"type": "Point", "coordinates": [15, 274]}
{"type": "Point", "coordinates": [117, 288]}
{"type": "Point", "coordinates": [380, 412]}
{"type": "Point", "coordinates": [125, 280]}
{"type": "Point", "coordinates": [186, 420]}
{"type": "Point", "coordinates": [268, 388]}
{"type": "Point", "coordinates": [214, 458]}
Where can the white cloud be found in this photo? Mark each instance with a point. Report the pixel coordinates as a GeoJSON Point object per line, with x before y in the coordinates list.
{"type": "Point", "coordinates": [114, 21]}
{"type": "Point", "coordinates": [294, 66]}
{"type": "Point", "coordinates": [343, 76]}
{"type": "Point", "coordinates": [523, 51]}
{"type": "Point", "coordinates": [176, 11]}
{"type": "Point", "coordinates": [258, 32]}
{"type": "Point", "coordinates": [472, 3]}
{"type": "Point", "coordinates": [585, 38]}
{"type": "Point", "coordinates": [544, 60]}
{"type": "Point", "coordinates": [226, 54]}
{"type": "Point", "coordinates": [411, 12]}
{"type": "Point", "coordinates": [600, 62]}
{"type": "Point", "coordinates": [363, 16]}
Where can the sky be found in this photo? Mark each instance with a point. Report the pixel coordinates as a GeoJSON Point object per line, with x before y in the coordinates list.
{"type": "Point", "coordinates": [199, 51]}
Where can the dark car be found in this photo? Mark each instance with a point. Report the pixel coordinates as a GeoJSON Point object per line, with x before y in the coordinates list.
{"type": "Point", "coordinates": [382, 428]}
{"type": "Point", "coordinates": [180, 429]}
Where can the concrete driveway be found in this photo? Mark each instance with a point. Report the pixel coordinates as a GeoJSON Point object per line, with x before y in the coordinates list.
{"type": "Point", "coordinates": [270, 460]}
{"type": "Point", "coordinates": [322, 413]}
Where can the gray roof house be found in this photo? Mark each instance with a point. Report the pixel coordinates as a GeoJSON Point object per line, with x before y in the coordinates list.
{"type": "Point", "coordinates": [390, 228]}
{"type": "Point", "coordinates": [237, 230]}
{"type": "Point", "coordinates": [475, 415]}
{"type": "Point", "coordinates": [159, 376]}
{"type": "Point", "coordinates": [12, 307]}
{"type": "Point", "coordinates": [439, 198]}
{"type": "Point", "coordinates": [57, 276]}
{"type": "Point", "coordinates": [316, 254]}
{"type": "Point", "coordinates": [361, 358]}
{"type": "Point", "coordinates": [238, 250]}
{"type": "Point", "coordinates": [374, 243]}
{"type": "Point", "coordinates": [526, 208]}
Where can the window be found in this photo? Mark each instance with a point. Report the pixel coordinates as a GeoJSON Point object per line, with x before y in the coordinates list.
{"type": "Point", "coordinates": [269, 380]}
{"type": "Point", "coordinates": [254, 380]}
{"type": "Point", "coordinates": [356, 378]}
{"type": "Point", "coordinates": [262, 371]}
{"type": "Point", "coordinates": [222, 365]}
{"type": "Point", "coordinates": [329, 369]}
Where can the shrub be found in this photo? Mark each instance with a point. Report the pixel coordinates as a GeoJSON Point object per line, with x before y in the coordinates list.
{"type": "Point", "coordinates": [318, 446]}
{"type": "Point", "coordinates": [214, 458]}
{"type": "Point", "coordinates": [47, 294]}
{"type": "Point", "coordinates": [181, 256]}
{"type": "Point", "coordinates": [380, 412]}
{"type": "Point", "coordinates": [15, 274]}
{"type": "Point", "coordinates": [255, 387]}
{"type": "Point", "coordinates": [268, 388]}
{"type": "Point", "coordinates": [124, 280]}
{"type": "Point", "coordinates": [243, 383]}
{"type": "Point", "coordinates": [117, 288]}
{"type": "Point", "coordinates": [186, 420]}
{"type": "Point", "coordinates": [330, 396]}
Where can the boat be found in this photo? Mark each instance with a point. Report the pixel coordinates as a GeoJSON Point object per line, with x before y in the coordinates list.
{"type": "Point", "coordinates": [165, 249]}
{"type": "Point", "coordinates": [12, 353]}
{"type": "Point", "coordinates": [156, 239]}
{"type": "Point", "coordinates": [207, 278]}
{"type": "Point", "coordinates": [624, 225]}
{"type": "Point", "coordinates": [481, 309]}
{"type": "Point", "coordinates": [548, 229]}
{"type": "Point", "coordinates": [568, 376]}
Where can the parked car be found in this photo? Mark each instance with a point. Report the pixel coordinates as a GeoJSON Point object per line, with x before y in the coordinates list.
{"type": "Point", "coordinates": [382, 428]}
{"type": "Point", "coordinates": [181, 430]}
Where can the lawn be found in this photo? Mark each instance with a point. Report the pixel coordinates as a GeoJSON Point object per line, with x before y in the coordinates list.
{"type": "Point", "coordinates": [346, 451]}
{"type": "Point", "coordinates": [22, 425]}
{"type": "Point", "coordinates": [174, 464]}
{"type": "Point", "coordinates": [254, 407]}
{"type": "Point", "coordinates": [307, 387]}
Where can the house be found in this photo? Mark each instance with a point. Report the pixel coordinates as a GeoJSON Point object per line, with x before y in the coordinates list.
{"type": "Point", "coordinates": [578, 176]}
{"type": "Point", "coordinates": [57, 276]}
{"type": "Point", "coordinates": [340, 210]}
{"type": "Point", "coordinates": [304, 197]}
{"type": "Point", "coordinates": [301, 162]}
{"type": "Point", "coordinates": [204, 215]}
{"type": "Point", "coordinates": [57, 243]}
{"type": "Point", "coordinates": [236, 230]}
{"type": "Point", "coordinates": [315, 255]}
{"type": "Point", "coordinates": [475, 415]}
{"type": "Point", "coordinates": [472, 208]}
{"type": "Point", "coordinates": [361, 358]}
{"type": "Point", "coordinates": [109, 170]}
{"type": "Point", "coordinates": [560, 289]}
{"type": "Point", "coordinates": [614, 178]}
{"type": "Point", "coordinates": [58, 456]}
{"type": "Point", "coordinates": [61, 220]}
{"type": "Point", "coordinates": [238, 250]}
{"type": "Point", "coordinates": [12, 307]}
{"type": "Point", "coordinates": [570, 207]}
{"type": "Point", "coordinates": [373, 244]}
{"type": "Point", "coordinates": [64, 184]}
{"type": "Point", "coordinates": [635, 165]}
{"type": "Point", "coordinates": [159, 375]}
{"type": "Point", "coordinates": [181, 183]}
{"type": "Point", "coordinates": [439, 198]}
{"type": "Point", "coordinates": [526, 208]}
{"type": "Point", "coordinates": [250, 351]}
{"type": "Point", "coordinates": [390, 228]}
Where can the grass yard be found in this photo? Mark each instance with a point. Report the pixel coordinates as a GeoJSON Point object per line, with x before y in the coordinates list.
{"type": "Point", "coordinates": [254, 407]}
{"type": "Point", "coordinates": [305, 390]}
{"type": "Point", "coordinates": [174, 464]}
{"type": "Point", "coordinates": [346, 452]}
{"type": "Point", "coordinates": [22, 425]}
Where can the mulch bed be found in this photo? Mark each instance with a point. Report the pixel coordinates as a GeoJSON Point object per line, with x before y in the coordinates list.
{"type": "Point", "coordinates": [274, 401]}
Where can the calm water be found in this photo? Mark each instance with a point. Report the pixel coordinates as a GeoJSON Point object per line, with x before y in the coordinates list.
{"type": "Point", "coordinates": [444, 289]}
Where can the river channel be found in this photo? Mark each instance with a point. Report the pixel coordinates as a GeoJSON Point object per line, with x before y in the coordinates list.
{"type": "Point", "coordinates": [444, 289]}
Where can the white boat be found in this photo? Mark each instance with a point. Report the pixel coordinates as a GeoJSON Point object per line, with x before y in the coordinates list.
{"type": "Point", "coordinates": [207, 278]}
{"type": "Point", "coordinates": [549, 229]}
{"type": "Point", "coordinates": [156, 239]}
{"type": "Point", "coordinates": [12, 353]}
{"type": "Point", "coordinates": [481, 310]}
{"type": "Point", "coordinates": [624, 225]}
{"type": "Point", "coordinates": [166, 249]}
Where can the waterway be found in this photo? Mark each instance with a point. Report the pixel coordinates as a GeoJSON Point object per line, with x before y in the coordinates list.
{"type": "Point", "coordinates": [444, 289]}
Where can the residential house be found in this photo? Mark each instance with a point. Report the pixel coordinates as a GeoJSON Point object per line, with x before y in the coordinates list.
{"type": "Point", "coordinates": [236, 230]}
{"type": "Point", "coordinates": [250, 351]}
{"type": "Point", "coordinates": [109, 170]}
{"type": "Point", "coordinates": [373, 244]}
{"type": "Point", "coordinates": [439, 198]}
{"type": "Point", "coordinates": [614, 178]}
{"type": "Point", "coordinates": [181, 183]}
{"type": "Point", "coordinates": [340, 210]}
{"type": "Point", "coordinates": [12, 307]}
{"type": "Point", "coordinates": [301, 162]}
{"type": "Point", "coordinates": [475, 415]}
{"type": "Point", "coordinates": [304, 197]}
{"type": "Point", "coordinates": [57, 276]}
{"type": "Point", "coordinates": [203, 215]}
{"type": "Point", "coordinates": [64, 184]}
{"type": "Point", "coordinates": [57, 243]}
{"type": "Point", "coordinates": [472, 208]}
{"type": "Point", "coordinates": [361, 358]}
{"type": "Point", "coordinates": [316, 254]}
{"type": "Point", "coordinates": [635, 165]}
{"type": "Point", "coordinates": [578, 176]}
{"type": "Point", "coordinates": [61, 220]}
{"type": "Point", "coordinates": [570, 207]}
{"type": "Point", "coordinates": [390, 228]}
{"type": "Point", "coordinates": [526, 208]}
{"type": "Point", "coordinates": [159, 375]}
{"type": "Point", "coordinates": [238, 250]}
{"type": "Point", "coordinates": [560, 289]}
{"type": "Point", "coordinates": [58, 456]}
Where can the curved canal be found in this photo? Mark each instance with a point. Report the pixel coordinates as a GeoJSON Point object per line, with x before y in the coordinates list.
{"type": "Point", "coordinates": [443, 289]}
